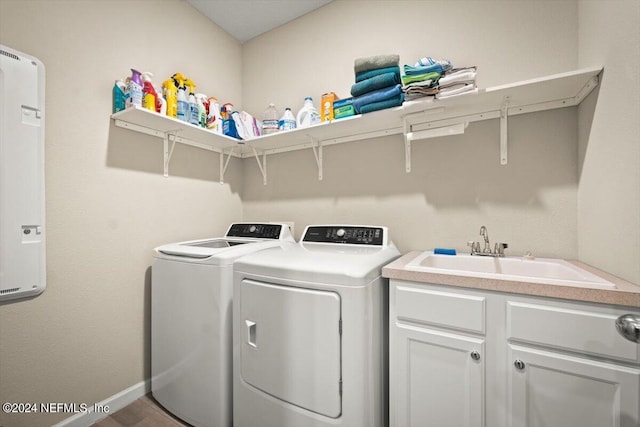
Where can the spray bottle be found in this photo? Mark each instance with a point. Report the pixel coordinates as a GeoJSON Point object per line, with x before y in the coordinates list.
{"type": "Point", "coordinates": [162, 103]}
{"type": "Point", "coordinates": [149, 94]}
{"type": "Point", "coordinates": [183, 105]}
{"type": "Point", "coordinates": [194, 114]}
{"type": "Point", "coordinates": [201, 100]}
{"type": "Point", "coordinates": [214, 120]}
{"type": "Point", "coordinates": [171, 96]}
{"type": "Point", "coordinates": [134, 87]}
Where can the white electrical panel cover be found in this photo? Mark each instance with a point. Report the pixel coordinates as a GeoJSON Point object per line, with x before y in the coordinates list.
{"type": "Point", "coordinates": [22, 229]}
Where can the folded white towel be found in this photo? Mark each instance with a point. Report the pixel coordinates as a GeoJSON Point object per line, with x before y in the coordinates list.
{"type": "Point", "coordinates": [457, 77]}
{"type": "Point", "coordinates": [457, 90]}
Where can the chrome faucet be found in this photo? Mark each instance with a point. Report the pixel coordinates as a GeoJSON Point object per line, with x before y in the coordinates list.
{"type": "Point", "coordinates": [498, 250]}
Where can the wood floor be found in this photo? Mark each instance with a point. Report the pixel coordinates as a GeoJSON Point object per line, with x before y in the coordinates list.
{"type": "Point", "coordinates": [144, 412]}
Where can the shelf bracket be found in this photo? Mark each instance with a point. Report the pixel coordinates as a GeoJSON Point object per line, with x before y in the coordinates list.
{"type": "Point", "coordinates": [224, 163]}
{"type": "Point", "coordinates": [407, 145]}
{"type": "Point", "coordinates": [317, 153]}
{"type": "Point", "coordinates": [168, 152]}
{"type": "Point", "coordinates": [504, 111]}
{"type": "Point", "coordinates": [262, 165]}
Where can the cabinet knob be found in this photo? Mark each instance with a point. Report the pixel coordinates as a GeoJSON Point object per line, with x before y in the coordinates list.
{"type": "Point", "coordinates": [628, 326]}
{"type": "Point", "coordinates": [519, 364]}
{"type": "Point", "coordinates": [475, 355]}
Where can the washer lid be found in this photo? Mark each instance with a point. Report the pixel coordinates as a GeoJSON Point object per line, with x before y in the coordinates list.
{"type": "Point", "coordinates": [241, 239]}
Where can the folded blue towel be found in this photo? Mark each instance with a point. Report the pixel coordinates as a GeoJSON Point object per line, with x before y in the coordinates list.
{"type": "Point", "coordinates": [375, 83]}
{"type": "Point", "coordinates": [413, 71]}
{"type": "Point", "coordinates": [376, 96]}
{"type": "Point", "coordinates": [364, 75]}
{"type": "Point", "coordinates": [396, 101]}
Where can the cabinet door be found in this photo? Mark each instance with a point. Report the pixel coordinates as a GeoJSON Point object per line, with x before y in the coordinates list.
{"type": "Point", "coordinates": [436, 380]}
{"type": "Point", "coordinates": [551, 389]}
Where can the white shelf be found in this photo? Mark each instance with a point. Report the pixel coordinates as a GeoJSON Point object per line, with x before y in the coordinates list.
{"type": "Point", "coordinates": [545, 93]}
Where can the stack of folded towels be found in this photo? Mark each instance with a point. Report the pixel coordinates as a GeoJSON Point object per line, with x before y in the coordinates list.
{"type": "Point", "coordinates": [422, 79]}
{"type": "Point", "coordinates": [457, 81]}
{"type": "Point", "coordinates": [430, 77]}
{"type": "Point", "coordinates": [377, 85]}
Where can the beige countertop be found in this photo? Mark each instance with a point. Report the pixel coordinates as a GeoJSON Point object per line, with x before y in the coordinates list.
{"type": "Point", "coordinates": [625, 293]}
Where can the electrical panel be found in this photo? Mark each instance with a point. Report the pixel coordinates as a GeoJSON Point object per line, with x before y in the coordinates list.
{"type": "Point", "coordinates": [22, 203]}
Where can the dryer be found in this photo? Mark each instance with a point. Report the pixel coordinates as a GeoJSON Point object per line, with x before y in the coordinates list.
{"type": "Point", "coordinates": [191, 332]}
{"type": "Point", "coordinates": [310, 330]}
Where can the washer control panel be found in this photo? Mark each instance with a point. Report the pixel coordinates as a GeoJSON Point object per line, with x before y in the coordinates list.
{"type": "Point", "coordinates": [346, 234]}
{"type": "Point", "coordinates": [258, 231]}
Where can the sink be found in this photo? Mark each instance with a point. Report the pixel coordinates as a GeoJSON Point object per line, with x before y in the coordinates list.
{"type": "Point", "coordinates": [548, 271]}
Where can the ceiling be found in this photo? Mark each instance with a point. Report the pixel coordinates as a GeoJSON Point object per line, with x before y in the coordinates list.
{"type": "Point", "coordinates": [246, 19]}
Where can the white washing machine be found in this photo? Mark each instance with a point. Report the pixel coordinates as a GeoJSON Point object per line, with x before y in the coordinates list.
{"type": "Point", "coordinates": [191, 331]}
{"type": "Point", "coordinates": [310, 331]}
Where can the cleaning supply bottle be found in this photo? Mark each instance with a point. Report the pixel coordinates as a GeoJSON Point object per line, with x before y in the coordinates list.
{"type": "Point", "coordinates": [201, 99]}
{"type": "Point", "coordinates": [270, 120]}
{"type": "Point", "coordinates": [119, 96]}
{"type": "Point", "coordinates": [183, 104]}
{"type": "Point", "coordinates": [171, 96]}
{"type": "Point", "coordinates": [149, 95]}
{"type": "Point", "coordinates": [134, 87]}
{"type": "Point", "coordinates": [162, 103]}
{"type": "Point", "coordinates": [308, 115]}
{"type": "Point", "coordinates": [214, 120]}
{"type": "Point", "coordinates": [194, 114]}
{"type": "Point", "coordinates": [287, 122]}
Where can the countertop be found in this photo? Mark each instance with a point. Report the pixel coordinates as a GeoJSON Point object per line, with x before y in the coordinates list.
{"type": "Point", "coordinates": [625, 293]}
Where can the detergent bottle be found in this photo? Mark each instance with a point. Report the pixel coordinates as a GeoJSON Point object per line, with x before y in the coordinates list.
{"type": "Point", "coordinates": [171, 96]}
{"type": "Point", "coordinates": [183, 104]}
{"type": "Point", "coordinates": [308, 115]}
{"type": "Point", "coordinates": [119, 96]}
{"type": "Point", "coordinates": [287, 122]}
{"type": "Point", "coordinates": [201, 100]}
{"type": "Point", "coordinates": [149, 95]}
{"type": "Point", "coordinates": [134, 87]}
{"type": "Point", "coordinates": [214, 119]}
{"type": "Point", "coordinates": [193, 114]}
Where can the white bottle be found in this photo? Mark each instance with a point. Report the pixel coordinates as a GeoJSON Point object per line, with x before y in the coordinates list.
{"type": "Point", "coordinates": [183, 105]}
{"type": "Point", "coordinates": [287, 122]}
{"type": "Point", "coordinates": [308, 115]}
{"type": "Point", "coordinates": [270, 120]}
{"type": "Point", "coordinates": [214, 120]}
{"type": "Point", "coordinates": [194, 113]}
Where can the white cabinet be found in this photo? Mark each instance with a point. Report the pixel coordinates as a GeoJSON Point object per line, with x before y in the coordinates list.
{"type": "Point", "coordinates": [439, 379]}
{"type": "Point", "coordinates": [554, 389]}
{"type": "Point", "coordinates": [462, 357]}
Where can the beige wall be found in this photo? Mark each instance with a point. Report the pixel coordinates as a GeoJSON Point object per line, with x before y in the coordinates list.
{"type": "Point", "coordinates": [87, 336]}
{"type": "Point", "coordinates": [609, 190]}
{"type": "Point", "coordinates": [457, 183]}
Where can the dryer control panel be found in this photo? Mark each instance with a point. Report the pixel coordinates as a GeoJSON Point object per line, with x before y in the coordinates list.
{"type": "Point", "coordinates": [257, 231]}
{"type": "Point", "coordinates": [346, 234]}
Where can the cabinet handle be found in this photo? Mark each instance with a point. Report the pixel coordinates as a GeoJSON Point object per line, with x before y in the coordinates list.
{"type": "Point", "coordinates": [628, 326]}
{"type": "Point", "coordinates": [519, 364]}
{"type": "Point", "coordinates": [475, 355]}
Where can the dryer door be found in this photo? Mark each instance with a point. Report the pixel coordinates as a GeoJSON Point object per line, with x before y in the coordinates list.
{"type": "Point", "coordinates": [291, 344]}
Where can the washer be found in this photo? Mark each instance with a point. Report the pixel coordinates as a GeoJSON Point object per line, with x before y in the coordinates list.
{"type": "Point", "coordinates": [191, 332]}
{"type": "Point", "coordinates": [310, 330]}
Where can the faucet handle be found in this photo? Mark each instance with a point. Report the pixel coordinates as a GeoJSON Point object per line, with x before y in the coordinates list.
{"type": "Point", "coordinates": [500, 247]}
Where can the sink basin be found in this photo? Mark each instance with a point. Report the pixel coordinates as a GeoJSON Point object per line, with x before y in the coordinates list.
{"type": "Point", "coordinates": [548, 271]}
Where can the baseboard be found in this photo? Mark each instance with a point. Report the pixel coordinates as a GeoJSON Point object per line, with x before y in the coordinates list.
{"type": "Point", "coordinates": [114, 403]}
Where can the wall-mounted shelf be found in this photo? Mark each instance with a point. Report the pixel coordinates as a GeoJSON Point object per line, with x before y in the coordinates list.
{"type": "Point", "coordinates": [416, 120]}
